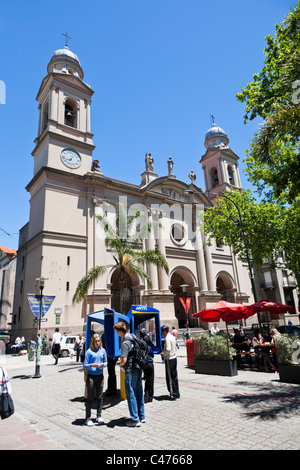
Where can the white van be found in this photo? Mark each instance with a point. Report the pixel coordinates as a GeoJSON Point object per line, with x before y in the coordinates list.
{"type": "Point", "coordinates": [67, 345]}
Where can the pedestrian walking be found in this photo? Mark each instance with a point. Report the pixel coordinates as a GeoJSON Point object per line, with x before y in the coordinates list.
{"type": "Point", "coordinates": [78, 345]}
{"type": "Point", "coordinates": [149, 373]}
{"type": "Point", "coordinates": [56, 339]}
{"type": "Point", "coordinates": [111, 369]}
{"type": "Point", "coordinates": [170, 363]}
{"type": "Point", "coordinates": [133, 377]}
{"type": "Point", "coordinates": [7, 407]}
{"type": "Point", "coordinates": [94, 363]}
{"type": "Point", "coordinates": [175, 334]}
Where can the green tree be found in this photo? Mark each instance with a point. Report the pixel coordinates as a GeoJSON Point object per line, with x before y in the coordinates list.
{"type": "Point", "coordinates": [125, 242]}
{"type": "Point", "coordinates": [269, 229]}
{"type": "Point", "coordinates": [273, 158]}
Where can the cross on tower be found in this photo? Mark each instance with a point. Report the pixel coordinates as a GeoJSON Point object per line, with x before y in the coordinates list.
{"type": "Point", "coordinates": [66, 38]}
{"type": "Point", "coordinates": [212, 117]}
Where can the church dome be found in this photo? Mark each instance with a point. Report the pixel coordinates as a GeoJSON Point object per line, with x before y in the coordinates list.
{"type": "Point", "coordinates": [216, 137]}
{"type": "Point", "coordinates": [65, 61]}
{"type": "Point", "coordinates": [214, 131]}
{"type": "Point", "coordinates": [66, 52]}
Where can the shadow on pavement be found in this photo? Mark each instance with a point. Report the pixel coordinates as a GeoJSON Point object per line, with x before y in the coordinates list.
{"type": "Point", "coordinates": [121, 422]}
{"type": "Point", "coordinates": [21, 377]}
{"type": "Point", "coordinates": [268, 401]}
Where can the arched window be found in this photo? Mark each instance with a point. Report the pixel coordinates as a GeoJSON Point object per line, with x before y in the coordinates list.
{"type": "Point", "coordinates": [70, 113]}
{"type": "Point", "coordinates": [225, 288]}
{"type": "Point", "coordinates": [231, 175]}
{"type": "Point", "coordinates": [177, 233]}
{"type": "Point", "coordinates": [214, 177]}
{"type": "Point", "coordinates": [45, 114]}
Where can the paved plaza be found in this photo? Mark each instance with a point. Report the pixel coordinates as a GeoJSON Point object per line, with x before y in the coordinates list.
{"type": "Point", "coordinates": [251, 411]}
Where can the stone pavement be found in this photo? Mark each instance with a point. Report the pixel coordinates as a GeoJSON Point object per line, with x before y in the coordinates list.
{"type": "Point", "coordinates": [251, 411]}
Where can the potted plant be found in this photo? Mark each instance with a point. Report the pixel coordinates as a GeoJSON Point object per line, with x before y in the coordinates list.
{"type": "Point", "coordinates": [214, 355]}
{"type": "Point", "coordinates": [288, 358]}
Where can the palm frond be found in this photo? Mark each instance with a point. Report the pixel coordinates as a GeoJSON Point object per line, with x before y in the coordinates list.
{"type": "Point", "coordinates": [106, 225]}
{"type": "Point", "coordinates": [87, 280]}
{"type": "Point", "coordinates": [152, 257]}
{"type": "Point", "coordinates": [140, 271]}
{"type": "Point", "coordinates": [126, 247]}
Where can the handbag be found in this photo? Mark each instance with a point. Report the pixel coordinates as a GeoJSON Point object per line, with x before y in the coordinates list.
{"type": "Point", "coordinates": [6, 403]}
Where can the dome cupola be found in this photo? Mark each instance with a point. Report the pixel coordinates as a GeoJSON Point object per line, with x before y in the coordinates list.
{"type": "Point", "coordinates": [65, 61]}
{"type": "Point", "coordinates": [216, 137]}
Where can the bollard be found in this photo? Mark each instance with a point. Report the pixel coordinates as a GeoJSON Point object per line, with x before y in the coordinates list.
{"type": "Point", "coordinates": [190, 352]}
{"type": "Point", "coordinates": [122, 385]}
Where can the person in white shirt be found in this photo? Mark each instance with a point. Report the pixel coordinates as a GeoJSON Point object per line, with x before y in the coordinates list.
{"type": "Point", "coordinates": [214, 329]}
{"type": "Point", "coordinates": [170, 363]}
{"type": "Point", "coordinates": [56, 339]}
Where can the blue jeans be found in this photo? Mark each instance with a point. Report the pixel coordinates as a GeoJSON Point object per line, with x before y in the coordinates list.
{"type": "Point", "coordinates": [135, 395]}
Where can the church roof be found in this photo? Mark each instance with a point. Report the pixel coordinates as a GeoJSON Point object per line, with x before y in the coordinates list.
{"type": "Point", "coordinates": [215, 130]}
{"type": "Point", "coordinates": [8, 251]}
{"type": "Point", "coordinates": [67, 53]}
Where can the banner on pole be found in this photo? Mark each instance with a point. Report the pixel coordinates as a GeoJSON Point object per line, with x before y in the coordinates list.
{"type": "Point", "coordinates": [35, 302]}
{"type": "Point", "coordinates": [186, 304]}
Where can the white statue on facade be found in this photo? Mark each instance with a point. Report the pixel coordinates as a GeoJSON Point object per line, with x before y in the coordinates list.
{"type": "Point", "coordinates": [170, 166]}
{"type": "Point", "coordinates": [192, 177]}
{"type": "Point", "coordinates": [149, 162]}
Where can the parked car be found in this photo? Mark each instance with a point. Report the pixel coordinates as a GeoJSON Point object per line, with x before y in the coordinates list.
{"type": "Point", "coordinates": [289, 329]}
{"type": "Point", "coordinates": [67, 345]}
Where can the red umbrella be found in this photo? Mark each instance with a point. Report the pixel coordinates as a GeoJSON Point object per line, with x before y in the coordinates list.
{"type": "Point", "coordinates": [272, 307]}
{"type": "Point", "coordinates": [225, 311]}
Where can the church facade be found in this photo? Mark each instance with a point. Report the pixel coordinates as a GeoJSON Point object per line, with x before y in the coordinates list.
{"type": "Point", "coordinates": [62, 240]}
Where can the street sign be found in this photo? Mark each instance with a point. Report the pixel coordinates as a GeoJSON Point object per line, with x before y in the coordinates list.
{"type": "Point", "coordinates": [35, 302]}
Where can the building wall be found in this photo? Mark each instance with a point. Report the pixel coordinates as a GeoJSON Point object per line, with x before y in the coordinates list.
{"type": "Point", "coordinates": [63, 240]}
{"type": "Point", "coordinates": [7, 282]}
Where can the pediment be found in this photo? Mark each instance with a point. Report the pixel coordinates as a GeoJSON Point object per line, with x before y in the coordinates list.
{"type": "Point", "coordinates": [173, 190]}
{"type": "Point", "coordinates": [217, 152]}
{"type": "Point", "coordinates": [58, 78]}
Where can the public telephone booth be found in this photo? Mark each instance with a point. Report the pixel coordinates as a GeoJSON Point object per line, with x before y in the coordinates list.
{"type": "Point", "coordinates": [139, 320]}
{"type": "Point", "coordinates": [146, 320]}
{"type": "Point", "coordinates": [107, 317]}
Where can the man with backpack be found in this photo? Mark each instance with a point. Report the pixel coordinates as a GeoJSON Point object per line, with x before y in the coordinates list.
{"type": "Point", "coordinates": [132, 361]}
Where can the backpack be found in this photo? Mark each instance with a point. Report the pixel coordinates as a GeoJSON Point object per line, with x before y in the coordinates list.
{"type": "Point", "coordinates": [139, 353]}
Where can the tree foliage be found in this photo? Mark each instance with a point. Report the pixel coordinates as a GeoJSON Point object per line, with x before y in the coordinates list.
{"type": "Point", "coordinates": [269, 229]}
{"type": "Point", "coordinates": [273, 158]}
{"type": "Point", "coordinates": [125, 242]}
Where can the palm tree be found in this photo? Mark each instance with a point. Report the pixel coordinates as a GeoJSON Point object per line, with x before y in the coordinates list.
{"type": "Point", "coordinates": [126, 245]}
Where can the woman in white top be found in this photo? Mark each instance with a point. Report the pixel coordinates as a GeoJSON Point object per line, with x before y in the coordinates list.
{"type": "Point", "coordinates": [258, 342]}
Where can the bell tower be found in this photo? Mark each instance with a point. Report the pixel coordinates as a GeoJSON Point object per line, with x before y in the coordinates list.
{"type": "Point", "coordinates": [64, 139]}
{"type": "Point", "coordinates": [219, 163]}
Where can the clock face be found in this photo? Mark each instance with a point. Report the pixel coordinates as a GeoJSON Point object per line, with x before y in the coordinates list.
{"type": "Point", "coordinates": [70, 158]}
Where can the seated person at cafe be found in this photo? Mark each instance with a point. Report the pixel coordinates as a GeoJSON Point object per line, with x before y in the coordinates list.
{"type": "Point", "coordinates": [267, 337]}
{"type": "Point", "coordinates": [239, 341]}
{"type": "Point", "coordinates": [261, 348]}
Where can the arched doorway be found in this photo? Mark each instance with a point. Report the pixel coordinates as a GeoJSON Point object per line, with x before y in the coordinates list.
{"type": "Point", "coordinates": [130, 296]}
{"type": "Point", "coordinates": [225, 287]}
{"type": "Point", "coordinates": [178, 278]}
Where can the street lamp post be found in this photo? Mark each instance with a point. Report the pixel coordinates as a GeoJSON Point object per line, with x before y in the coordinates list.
{"type": "Point", "coordinates": [38, 349]}
{"type": "Point", "coordinates": [184, 287]}
{"type": "Point", "coordinates": [239, 222]}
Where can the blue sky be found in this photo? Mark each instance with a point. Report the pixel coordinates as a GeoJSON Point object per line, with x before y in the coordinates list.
{"type": "Point", "coordinates": [159, 69]}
